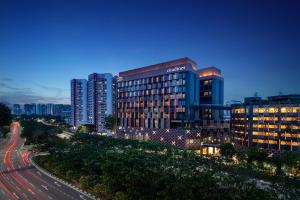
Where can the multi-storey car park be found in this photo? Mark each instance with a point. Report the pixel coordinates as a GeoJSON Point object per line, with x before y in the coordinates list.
{"type": "Point", "coordinates": [272, 123]}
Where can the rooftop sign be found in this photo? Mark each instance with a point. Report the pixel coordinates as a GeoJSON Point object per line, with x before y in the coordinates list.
{"type": "Point", "coordinates": [175, 69]}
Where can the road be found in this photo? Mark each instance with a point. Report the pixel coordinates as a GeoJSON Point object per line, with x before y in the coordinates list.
{"type": "Point", "coordinates": [19, 179]}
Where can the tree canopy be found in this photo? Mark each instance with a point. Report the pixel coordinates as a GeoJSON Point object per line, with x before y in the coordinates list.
{"type": "Point", "coordinates": [109, 122]}
{"type": "Point", "coordinates": [227, 150]}
{"type": "Point", "coordinates": [5, 118]}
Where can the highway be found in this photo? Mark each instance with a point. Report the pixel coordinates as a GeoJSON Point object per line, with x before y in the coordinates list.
{"type": "Point", "coordinates": [19, 179]}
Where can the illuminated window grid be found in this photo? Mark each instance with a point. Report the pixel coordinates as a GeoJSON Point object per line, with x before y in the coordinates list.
{"type": "Point", "coordinates": [262, 141]}
{"type": "Point", "coordinates": [265, 134]}
{"type": "Point", "coordinates": [290, 135]}
{"type": "Point", "coordinates": [290, 143]}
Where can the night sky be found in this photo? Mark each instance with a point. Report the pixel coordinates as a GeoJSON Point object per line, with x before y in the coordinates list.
{"type": "Point", "coordinates": [44, 44]}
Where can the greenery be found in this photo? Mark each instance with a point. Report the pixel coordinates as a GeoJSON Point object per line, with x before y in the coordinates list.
{"type": "Point", "coordinates": [227, 150]}
{"type": "Point", "coordinates": [38, 134]}
{"type": "Point", "coordinates": [86, 128]}
{"type": "Point", "coordinates": [126, 169]}
{"type": "Point", "coordinates": [256, 154]}
{"type": "Point", "coordinates": [109, 122]}
{"type": "Point", "coordinates": [5, 119]}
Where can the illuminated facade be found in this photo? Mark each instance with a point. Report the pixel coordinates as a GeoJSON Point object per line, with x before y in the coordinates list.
{"type": "Point", "coordinates": [78, 102]}
{"type": "Point", "coordinates": [211, 94]}
{"type": "Point", "coordinates": [271, 123]}
{"type": "Point", "coordinates": [161, 103]}
{"type": "Point", "coordinates": [158, 96]}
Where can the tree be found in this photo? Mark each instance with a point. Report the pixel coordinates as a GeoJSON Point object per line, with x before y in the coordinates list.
{"type": "Point", "coordinates": [241, 155]}
{"type": "Point", "coordinates": [109, 122]}
{"type": "Point", "coordinates": [5, 118]}
{"type": "Point", "coordinates": [276, 160]}
{"type": "Point", "coordinates": [290, 159]}
{"type": "Point", "coordinates": [256, 154]}
{"type": "Point", "coordinates": [84, 182]}
{"type": "Point", "coordinates": [227, 150]}
{"type": "Point", "coordinates": [86, 128]}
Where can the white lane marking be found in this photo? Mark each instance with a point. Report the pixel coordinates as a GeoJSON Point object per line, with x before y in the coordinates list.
{"type": "Point", "coordinates": [30, 191]}
{"type": "Point", "coordinates": [15, 195]}
{"type": "Point", "coordinates": [39, 173]}
{"type": "Point", "coordinates": [50, 197]}
{"type": "Point", "coordinates": [81, 196]}
{"type": "Point", "coordinates": [56, 183]}
{"type": "Point", "coordinates": [45, 187]}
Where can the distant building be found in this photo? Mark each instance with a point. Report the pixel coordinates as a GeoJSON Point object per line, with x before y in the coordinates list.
{"type": "Point", "coordinates": [41, 109]}
{"type": "Point", "coordinates": [50, 109]}
{"type": "Point", "coordinates": [66, 113]}
{"type": "Point", "coordinates": [272, 123]}
{"type": "Point", "coordinates": [78, 102]}
{"type": "Point", "coordinates": [16, 110]}
{"type": "Point", "coordinates": [100, 99]}
{"type": "Point", "coordinates": [57, 110]}
{"type": "Point", "coordinates": [211, 94]}
{"type": "Point", "coordinates": [30, 109]}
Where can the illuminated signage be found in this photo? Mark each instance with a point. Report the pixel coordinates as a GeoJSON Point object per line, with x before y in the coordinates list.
{"type": "Point", "coordinates": [176, 69]}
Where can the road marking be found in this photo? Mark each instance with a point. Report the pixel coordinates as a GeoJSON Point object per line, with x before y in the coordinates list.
{"type": "Point", "coordinates": [50, 197]}
{"type": "Point", "coordinates": [30, 191]}
{"type": "Point", "coordinates": [56, 183]}
{"type": "Point", "coordinates": [45, 187]}
{"type": "Point", "coordinates": [81, 196]}
{"type": "Point", "coordinates": [15, 195]}
{"type": "Point", "coordinates": [39, 173]}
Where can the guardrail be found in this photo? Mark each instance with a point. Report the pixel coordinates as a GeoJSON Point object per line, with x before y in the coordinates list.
{"type": "Point", "coordinates": [44, 171]}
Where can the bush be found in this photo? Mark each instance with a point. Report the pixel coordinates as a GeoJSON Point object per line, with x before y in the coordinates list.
{"type": "Point", "coordinates": [227, 150]}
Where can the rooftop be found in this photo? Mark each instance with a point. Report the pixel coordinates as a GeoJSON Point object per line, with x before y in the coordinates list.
{"type": "Point", "coordinates": [279, 99]}
{"type": "Point", "coordinates": [209, 71]}
{"type": "Point", "coordinates": [159, 66]}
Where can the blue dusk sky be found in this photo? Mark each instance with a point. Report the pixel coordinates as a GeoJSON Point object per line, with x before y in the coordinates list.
{"type": "Point", "coordinates": [44, 44]}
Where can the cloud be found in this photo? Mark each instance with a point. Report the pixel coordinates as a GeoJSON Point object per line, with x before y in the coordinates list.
{"type": "Point", "coordinates": [6, 79]}
{"type": "Point", "coordinates": [30, 98]}
{"type": "Point", "coordinates": [10, 94]}
{"type": "Point", "coordinates": [14, 89]}
{"type": "Point", "coordinates": [58, 91]}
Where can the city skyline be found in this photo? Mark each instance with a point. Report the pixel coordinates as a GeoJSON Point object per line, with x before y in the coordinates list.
{"type": "Point", "coordinates": [44, 45]}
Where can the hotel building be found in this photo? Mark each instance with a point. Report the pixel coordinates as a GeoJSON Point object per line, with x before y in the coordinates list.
{"type": "Point", "coordinates": [161, 103]}
{"type": "Point", "coordinates": [100, 99]}
{"type": "Point", "coordinates": [272, 123]}
{"type": "Point", "coordinates": [78, 102]}
{"type": "Point", "coordinates": [158, 96]}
